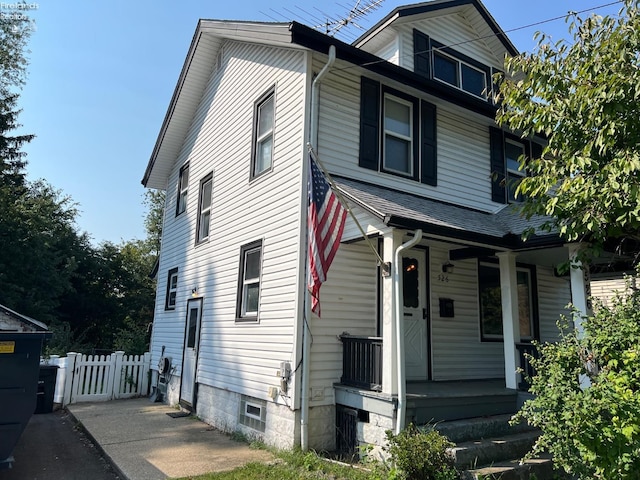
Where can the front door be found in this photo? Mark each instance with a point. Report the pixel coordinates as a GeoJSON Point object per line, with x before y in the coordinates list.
{"type": "Point", "coordinates": [416, 324]}
{"type": "Point", "coordinates": [190, 353]}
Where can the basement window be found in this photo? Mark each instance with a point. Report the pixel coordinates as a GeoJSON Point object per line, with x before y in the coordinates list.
{"type": "Point", "coordinates": [253, 413]}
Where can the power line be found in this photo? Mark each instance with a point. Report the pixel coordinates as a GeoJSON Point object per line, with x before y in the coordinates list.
{"type": "Point", "coordinates": [464, 42]}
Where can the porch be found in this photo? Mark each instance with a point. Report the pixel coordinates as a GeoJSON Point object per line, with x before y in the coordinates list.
{"type": "Point", "coordinates": [360, 388]}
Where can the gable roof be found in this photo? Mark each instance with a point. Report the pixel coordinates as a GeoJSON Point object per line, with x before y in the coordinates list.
{"type": "Point", "coordinates": [210, 34]}
{"type": "Point", "coordinates": [30, 322]}
{"type": "Point", "coordinates": [403, 210]}
{"type": "Point", "coordinates": [473, 9]}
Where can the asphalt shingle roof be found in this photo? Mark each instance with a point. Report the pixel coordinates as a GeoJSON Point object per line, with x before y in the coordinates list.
{"type": "Point", "coordinates": [403, 209]}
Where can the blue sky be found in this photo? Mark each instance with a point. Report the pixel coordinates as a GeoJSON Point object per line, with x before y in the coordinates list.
{"type": "Point", "coordinates": [102, 73]}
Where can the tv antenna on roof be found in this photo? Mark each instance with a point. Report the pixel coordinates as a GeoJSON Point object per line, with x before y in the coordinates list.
{"type": "Point", "coordinates": [359, 10]}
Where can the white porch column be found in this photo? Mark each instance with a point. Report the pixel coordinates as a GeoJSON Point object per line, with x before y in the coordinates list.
{"type": "Point", "coordinates": [510, 316]}
{"type": "Point", "coordinates": [391, 240]}
{"type": "Point", "coordinates": [580, 286]}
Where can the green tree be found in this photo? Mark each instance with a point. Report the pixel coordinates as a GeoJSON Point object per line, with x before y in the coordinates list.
{"type": "Point", "coordinates": [584, 97]}
{"type": "Point", "coordinates": [592, 428]}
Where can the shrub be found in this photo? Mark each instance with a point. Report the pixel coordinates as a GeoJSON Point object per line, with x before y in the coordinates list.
{"type": "Point", "coordinates": [421, 455]}
{"type": "Point", "coordinates": [587, 391]}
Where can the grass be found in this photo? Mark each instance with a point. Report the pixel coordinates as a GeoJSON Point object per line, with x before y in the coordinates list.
{"type": "Point", "coordinates": [293, 465]}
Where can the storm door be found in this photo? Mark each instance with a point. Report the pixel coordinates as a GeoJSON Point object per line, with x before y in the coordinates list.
{"type": "Point", "coordinates": [416, 321]}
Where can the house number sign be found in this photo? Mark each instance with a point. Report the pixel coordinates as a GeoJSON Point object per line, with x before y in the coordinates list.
{"type": "Point", "coordinates": [7, 347]}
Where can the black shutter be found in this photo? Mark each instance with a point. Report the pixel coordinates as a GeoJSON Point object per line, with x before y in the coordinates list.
{"type": "Point", "coordinates": [429, 159]}
{"type": "Point", "coordinates": [421, 54]}
{"type": "Point", "coordinates": [369, 123]}
{"type": "Point", "coordinates": [498, 169]}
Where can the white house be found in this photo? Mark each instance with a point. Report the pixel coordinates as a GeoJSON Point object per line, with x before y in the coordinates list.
{"type": "Point", "coordinates": [403, 120]}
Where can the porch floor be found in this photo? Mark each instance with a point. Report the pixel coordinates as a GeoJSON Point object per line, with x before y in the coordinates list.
{"type": "Point", "coordinates": [436, 401]}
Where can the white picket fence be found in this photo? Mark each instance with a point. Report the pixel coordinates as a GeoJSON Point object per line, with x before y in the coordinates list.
{"type": "Point", "coordinates": [95, 378]}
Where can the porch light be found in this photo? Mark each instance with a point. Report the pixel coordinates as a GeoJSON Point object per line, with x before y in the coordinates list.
{"type": "Point", "coordinates": [447, 267]}
{"type": "Point", "coordinates": [194, 292]}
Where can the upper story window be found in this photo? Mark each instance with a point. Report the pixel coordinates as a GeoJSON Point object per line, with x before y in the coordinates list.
{"type": "Point", "coordinates": [183, 189]}
{"type": "Point", "coordinates": [397, 133]}
{"type": "Point", "coordinates": [249, 277]}
{"type": "Point", "coordinates": [204, 209]}
{"type": "Point", "coordinates": [172, 289]}
{"type": "Point", "coordinates": [513, 151]}
{"type": "Point", "coordinates": [264, 119]}
{"type": "Point", "coordinates": [506, 152]}
{"type": "Point", "coordinates": [434, 60]}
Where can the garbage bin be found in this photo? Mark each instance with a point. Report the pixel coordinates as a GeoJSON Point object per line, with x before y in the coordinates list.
{"type": "Point", "coordinates": [19, 371]}
{"type": "Point", "coordinates": [46, 388]}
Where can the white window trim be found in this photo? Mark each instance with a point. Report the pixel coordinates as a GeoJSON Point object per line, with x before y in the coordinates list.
{"type": "Point", "coordinates": [250, 281]}
{"type": "Point", "coordinates": [183, 190]}
{"type": "Point", "coordinates": [203, 211]}
{"type": "Point", "coordinates": [261, 137]}
{"type": "Point", "coordinates": [391, 133]}
{"type": "Point", "coordinates": [247, 413]}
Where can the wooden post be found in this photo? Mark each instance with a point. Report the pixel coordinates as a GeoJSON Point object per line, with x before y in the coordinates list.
{"type": "Point", "coordinates": [510, 317]}
{"type": "Point", "coordinates": [116, 373]}
{"type": "Point", "coordinates": [145, 369]}
{"type": "Point", "coordinates": [68, 380]}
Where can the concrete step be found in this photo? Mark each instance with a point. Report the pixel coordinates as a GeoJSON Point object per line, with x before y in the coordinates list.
{"type": "Point", "coordinates": [480, 427]}
{"type": "Point", "coordinates": [536, 468]}
{"type": "Point", "coordinates": [488, 451]}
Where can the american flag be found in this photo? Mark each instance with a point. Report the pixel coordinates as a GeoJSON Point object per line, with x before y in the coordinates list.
{"type": "Point", "coordinates": [326, 223]}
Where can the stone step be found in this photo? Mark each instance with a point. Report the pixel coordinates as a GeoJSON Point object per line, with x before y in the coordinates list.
{"type": "Point", "coordinates": [434, 409]}
{"type": "Point", "coordinates": [535, 468]}
{"type": "Point", "coordinates": [488, 451]}
{"type": "Point", "coordinates": [480, 427]}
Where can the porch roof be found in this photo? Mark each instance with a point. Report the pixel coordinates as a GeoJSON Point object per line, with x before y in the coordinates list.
{"type": "Point", "coordinates": [403, 210]}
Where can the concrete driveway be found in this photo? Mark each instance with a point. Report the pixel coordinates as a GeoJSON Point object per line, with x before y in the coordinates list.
{"type": "Point", "coordinates": [144, 443]}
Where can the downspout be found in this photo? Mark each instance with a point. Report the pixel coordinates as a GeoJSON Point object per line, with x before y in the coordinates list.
{"type": "Point", "coordinates": [306, 337]}
{"type": "Point", "coordinates": [400, 417]}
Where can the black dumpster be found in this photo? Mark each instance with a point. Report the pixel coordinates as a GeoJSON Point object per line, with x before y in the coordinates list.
{"type": "Point", "coordinates": [19, 372]}
{"type": "Point", "coordinates": [46, 388]}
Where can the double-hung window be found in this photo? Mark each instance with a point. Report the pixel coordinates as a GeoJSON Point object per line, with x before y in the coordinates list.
{"type": "Point", "coordinates": [491, 301]}
{"type": "Point", "coordinates": [204, 209]}
{"type": "Point", "coordinates": [249, 279]}
{"type": "Point", "coordinates": [264, 120]}
{"type": "Point", "coordinates": [183, 189]}
{"type": "Point", "coordinates": [507, 153]}
{"type": "Point", "coordinates": [513, 151]}
{"type": "Point", "coordinates": [172, 289]}
{"type": "Point", "coordinates": [397, 133]}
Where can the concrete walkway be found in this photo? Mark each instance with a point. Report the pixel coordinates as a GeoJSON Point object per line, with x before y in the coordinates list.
{"type": "Point", "coordinates": [144, 443]}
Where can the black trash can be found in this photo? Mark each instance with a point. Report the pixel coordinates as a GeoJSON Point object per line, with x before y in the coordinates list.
{"type": "Point", "coordinates": [19, 371]}
{"type": "Point", "coordinates": [46, 388]}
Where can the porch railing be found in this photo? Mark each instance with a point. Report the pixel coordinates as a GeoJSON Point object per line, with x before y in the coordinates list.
{"type": "Point", "coordinates": [362, 362]}
{"type": "Point", "coordinates": [528, 371]}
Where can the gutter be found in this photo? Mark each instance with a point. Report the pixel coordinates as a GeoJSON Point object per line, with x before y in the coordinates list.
{"type": "Point", "coordinates": [401, 376]}
{"type": "Point", "coordinates": [306, 334]}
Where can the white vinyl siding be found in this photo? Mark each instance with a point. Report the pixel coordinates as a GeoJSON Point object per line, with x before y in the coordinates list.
{"type": "Point", "coordinates": [242, 358]}
{"type": "Point", "coordinates": [462, 145]}
{"type": "Point", "coordinates": [449, 30]}
{"type": "Point", "coordinates": [348, 299]}
{"type": "Point", "coordinates": [457, 352]}
{"type": "Point", "coordinates": [554, 294]}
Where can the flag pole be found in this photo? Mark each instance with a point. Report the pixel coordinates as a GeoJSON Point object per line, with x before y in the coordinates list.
{"type": "Point", "coordinates": [384, 265]}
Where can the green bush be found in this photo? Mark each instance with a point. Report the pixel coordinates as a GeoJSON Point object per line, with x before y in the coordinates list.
{"type": "Point", "coordinates": [587, 391]}
{"type": "Point", "coordinates": [421, 455]}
